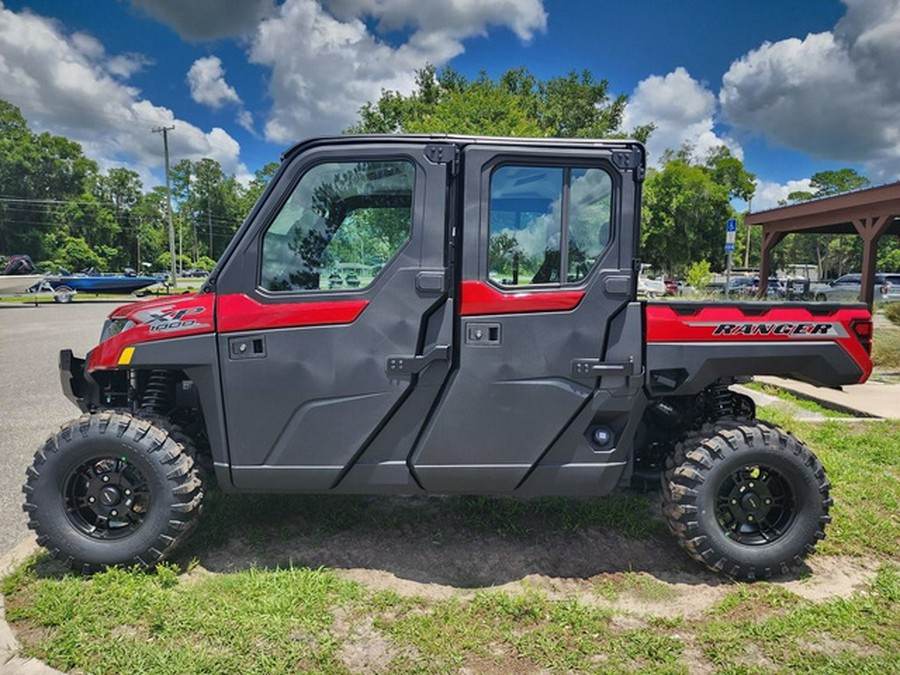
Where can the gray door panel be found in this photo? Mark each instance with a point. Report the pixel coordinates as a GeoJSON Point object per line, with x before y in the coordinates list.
{"type": "Point", "coordinates": [516, 414]}
{"type": "Point", "coordinates": [302, 413]}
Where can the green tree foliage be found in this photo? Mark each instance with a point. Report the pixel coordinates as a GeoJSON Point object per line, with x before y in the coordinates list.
{"type": "Point", "coordinates": [698, 275]}
{"type": "Point", "coordinates": [58, 208]}
{"type": "Point", "coordinates": [257, 186]}
{"type": "Point", "coordinates": [686, 205]}
{"type": "Point", "coordinates": [36, 170]}
{"type": "Point", "coordinates": [209, 206]}
{"type": "Point", "coordinates": [518, 104]}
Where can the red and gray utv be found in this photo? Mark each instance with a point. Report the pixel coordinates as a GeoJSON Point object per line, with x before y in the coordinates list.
{"type": "Point", "coordinates": [440, 314]}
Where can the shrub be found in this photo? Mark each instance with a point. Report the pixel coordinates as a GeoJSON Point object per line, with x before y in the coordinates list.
{"type": "Point", "coordinates": [892, 312]}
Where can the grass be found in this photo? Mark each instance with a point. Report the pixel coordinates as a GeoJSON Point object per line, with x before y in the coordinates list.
{"type": "Point", "coordinates": [285, 619]}
{"type": "Point", "coordinates": [886, 347]}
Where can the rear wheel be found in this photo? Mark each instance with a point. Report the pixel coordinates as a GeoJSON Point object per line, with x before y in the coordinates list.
{"type": "Point", "coordinates": [747, 500]}
{"type": "Point", "coordinates": [63, 294]}
{"type": "Point", "coordinates": [110, 488]}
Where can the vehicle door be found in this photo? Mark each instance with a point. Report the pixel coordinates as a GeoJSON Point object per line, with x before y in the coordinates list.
{"type": "Point", "coordinates": [547, 262]}
{"type": "Point", "coordinates": [333, 318]}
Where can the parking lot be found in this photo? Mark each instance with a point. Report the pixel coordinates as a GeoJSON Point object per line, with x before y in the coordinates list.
{"type": "Point", "coordinates": [31, 401]}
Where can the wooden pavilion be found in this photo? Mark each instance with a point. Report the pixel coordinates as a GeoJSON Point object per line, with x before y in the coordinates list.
{"type": "Point", "coordinates": [870, 213]}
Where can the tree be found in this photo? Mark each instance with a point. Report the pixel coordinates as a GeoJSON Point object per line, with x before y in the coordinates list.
{"type": "Point", "coordinates": [208, 205]}
{"type": "Point", "coordinates": [257, 186]}
{"type": "Point", "coordinates": [36, 172]}
{"type": "Point", "coordinates": [518, 104]}
{"type": "Point", "coordinates": [121, 190]}
{"type": "Point", "coordinates": [683, 214]}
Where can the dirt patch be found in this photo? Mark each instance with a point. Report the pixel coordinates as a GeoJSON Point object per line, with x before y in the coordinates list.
{"type": "Point", "coordinates": [833, 577]}
{"type": "Point", "coordinates": [363, 648]}
{"type": "Point", "coordinates": [822, 643]}
{"type": "Point", "coordinates": [436, 556]}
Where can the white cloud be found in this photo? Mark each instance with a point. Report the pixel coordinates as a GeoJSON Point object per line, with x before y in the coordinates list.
{"type": "Point", "coordinates": [126, 65]}
{"type": "Point", "coordinates": [768, 194]}
{"type": "Point", "coordinates": [834, 95]}
{"type": "Point", "coordinates": [207, 19]}
{"type": "Point", "coordinates": [460, 18]}
{"type": "Point", "coordinates": [208, 86]}
{"type": "Point", "coordinates": [326, 64]}
{"type": "Point", "coordinates": [245, 119]}
{"type": "Point", "coordinates": [68, 85]}
{"type": "Point", "coordinates": [683, 111]}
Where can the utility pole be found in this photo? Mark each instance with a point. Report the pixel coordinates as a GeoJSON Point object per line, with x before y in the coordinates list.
{"type": "Point", "coordinates": [209, 225]}
{"type": "Point", "coordinates": [165, 132]}
{"type": "Point", "coordinates": [747, 247]}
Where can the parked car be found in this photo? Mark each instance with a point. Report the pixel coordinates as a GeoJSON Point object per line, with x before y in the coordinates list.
{"type": "Point", "coordinates": [652, 288]}
{"type": "Point", "coordinates": [846, 288]}
{"type": "Point", "coordinates": [673, 287]}
{"type": "Point", "coordinates": [194, 273]}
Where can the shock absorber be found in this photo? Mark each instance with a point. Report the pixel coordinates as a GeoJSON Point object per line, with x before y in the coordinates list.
{"type": "Point", "coordinates": [158, 398]}
{"type": "Point", "coordinates": [722, 400]}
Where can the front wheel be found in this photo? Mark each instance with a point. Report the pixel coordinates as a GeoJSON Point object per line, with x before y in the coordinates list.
{"type": "Point", "coordinates": [750, 501]}
{"type": "Point", "coordinates": [109, 489]}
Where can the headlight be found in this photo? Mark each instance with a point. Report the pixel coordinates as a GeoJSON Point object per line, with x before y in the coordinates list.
{"type": "Point", "coordinates": [114, 327]}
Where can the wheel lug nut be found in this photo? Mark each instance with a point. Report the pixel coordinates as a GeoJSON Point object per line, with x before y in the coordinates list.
{"type": "Point", "coordinates": [750, 518]}
{"type": "Point", "coordinates": [751, 485]}
{"type": "Point", "coordinates": [768, 501]}
{"type": "Point", "coordinates": [91, 500]}
{"type": "Point", "coordinates": [113, 513]}
{"type": "Point", "coordinates": [734, 501]}
{"type": "Point", "coordinates": [127, 492]}
{"type": "Point", "coordinates": [105, 479]}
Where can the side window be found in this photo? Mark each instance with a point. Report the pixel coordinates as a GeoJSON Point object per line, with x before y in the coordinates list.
{"type": "Point", "coordinates": [341, 224]}
{"type": "Point", "coordinates": [547, 224]}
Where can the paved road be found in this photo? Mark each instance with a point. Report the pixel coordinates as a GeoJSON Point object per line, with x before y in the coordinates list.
{"type": "Point", "coordinates": [31, 402]}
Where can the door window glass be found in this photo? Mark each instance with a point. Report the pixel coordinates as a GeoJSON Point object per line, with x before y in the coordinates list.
{"type": "Point", "coordinates": [534, 210]}
{"type": "Point", "coordinates": [342, 223]}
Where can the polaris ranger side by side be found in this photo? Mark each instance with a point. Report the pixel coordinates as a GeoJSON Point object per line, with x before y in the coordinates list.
{"type": "Point", "coordinates": [485, 339]}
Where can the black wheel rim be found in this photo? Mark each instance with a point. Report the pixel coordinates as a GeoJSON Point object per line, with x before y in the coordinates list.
{"type": "Point", "coordinates": [106, 497]}
{"type": "Point", "coordinates": [755, 505]}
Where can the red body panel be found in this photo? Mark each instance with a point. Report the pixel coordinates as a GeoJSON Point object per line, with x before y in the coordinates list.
{"type": "Point", "coordinates": [481, 298]}
{"type": "Point", "coordinates": [238, 312]}
{"type": "Point", "coordinates": [185, 315]}
{"type": "Point", "coordinates": [769, 323]}
{"type": "Point", "coordinates": [159, 319]}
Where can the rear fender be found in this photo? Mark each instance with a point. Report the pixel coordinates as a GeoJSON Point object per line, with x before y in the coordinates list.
{"type": "Point", "coordinates": [691, 345]}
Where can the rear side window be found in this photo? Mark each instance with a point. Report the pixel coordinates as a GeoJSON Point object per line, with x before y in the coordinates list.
{"type": "Point", "coordinates": [342, 223]}
{"type": "Point", "coordinates": [548, 225]}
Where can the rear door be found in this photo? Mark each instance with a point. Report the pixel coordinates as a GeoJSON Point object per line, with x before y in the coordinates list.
{"type": "Point", "coordinates": [334, 320]}
{"type": "Point", "coordinates": [547, 263]}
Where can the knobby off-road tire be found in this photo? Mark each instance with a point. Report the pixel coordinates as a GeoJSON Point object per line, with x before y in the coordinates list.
{"type": "Point", "coordinates": [112, 489]}
{"type": "Point", "coordinates": [746, 499]}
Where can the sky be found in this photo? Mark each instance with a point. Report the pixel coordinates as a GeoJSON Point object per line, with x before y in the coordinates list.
{"type": "Point", "coordinates": [791, 87]}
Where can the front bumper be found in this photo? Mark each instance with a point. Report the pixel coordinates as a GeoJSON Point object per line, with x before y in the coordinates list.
{"type": "Point", "coordinates": [77, 385]}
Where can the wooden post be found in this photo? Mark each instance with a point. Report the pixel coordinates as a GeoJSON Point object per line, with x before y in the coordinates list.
{"type": "Point", "coordinates": [770, 240]}
{"type": "Point", "coordinates": [870, 229]}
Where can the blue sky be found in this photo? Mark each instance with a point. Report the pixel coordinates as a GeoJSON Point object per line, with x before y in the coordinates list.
{"type": "Point", "coordinates": [792, 87]}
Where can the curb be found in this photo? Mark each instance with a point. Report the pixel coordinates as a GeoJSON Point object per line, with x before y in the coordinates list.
{"type": "Point", "coordinates": [10, 661]}
{"type": "Point", "coordinates": [798, 391]}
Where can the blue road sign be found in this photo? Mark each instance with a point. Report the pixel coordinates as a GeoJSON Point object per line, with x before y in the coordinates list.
{"type": "Point", "coordinates": [731, 225]}
{"type": "Point", "coordinates": [729, 247]}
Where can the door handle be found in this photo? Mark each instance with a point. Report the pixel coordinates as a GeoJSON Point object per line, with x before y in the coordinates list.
{"type": "Point", "coordinates": [413, 364]}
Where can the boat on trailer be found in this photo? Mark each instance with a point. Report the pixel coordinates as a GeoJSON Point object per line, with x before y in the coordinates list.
{"type": "Point", "coordinates": [65, 286]}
